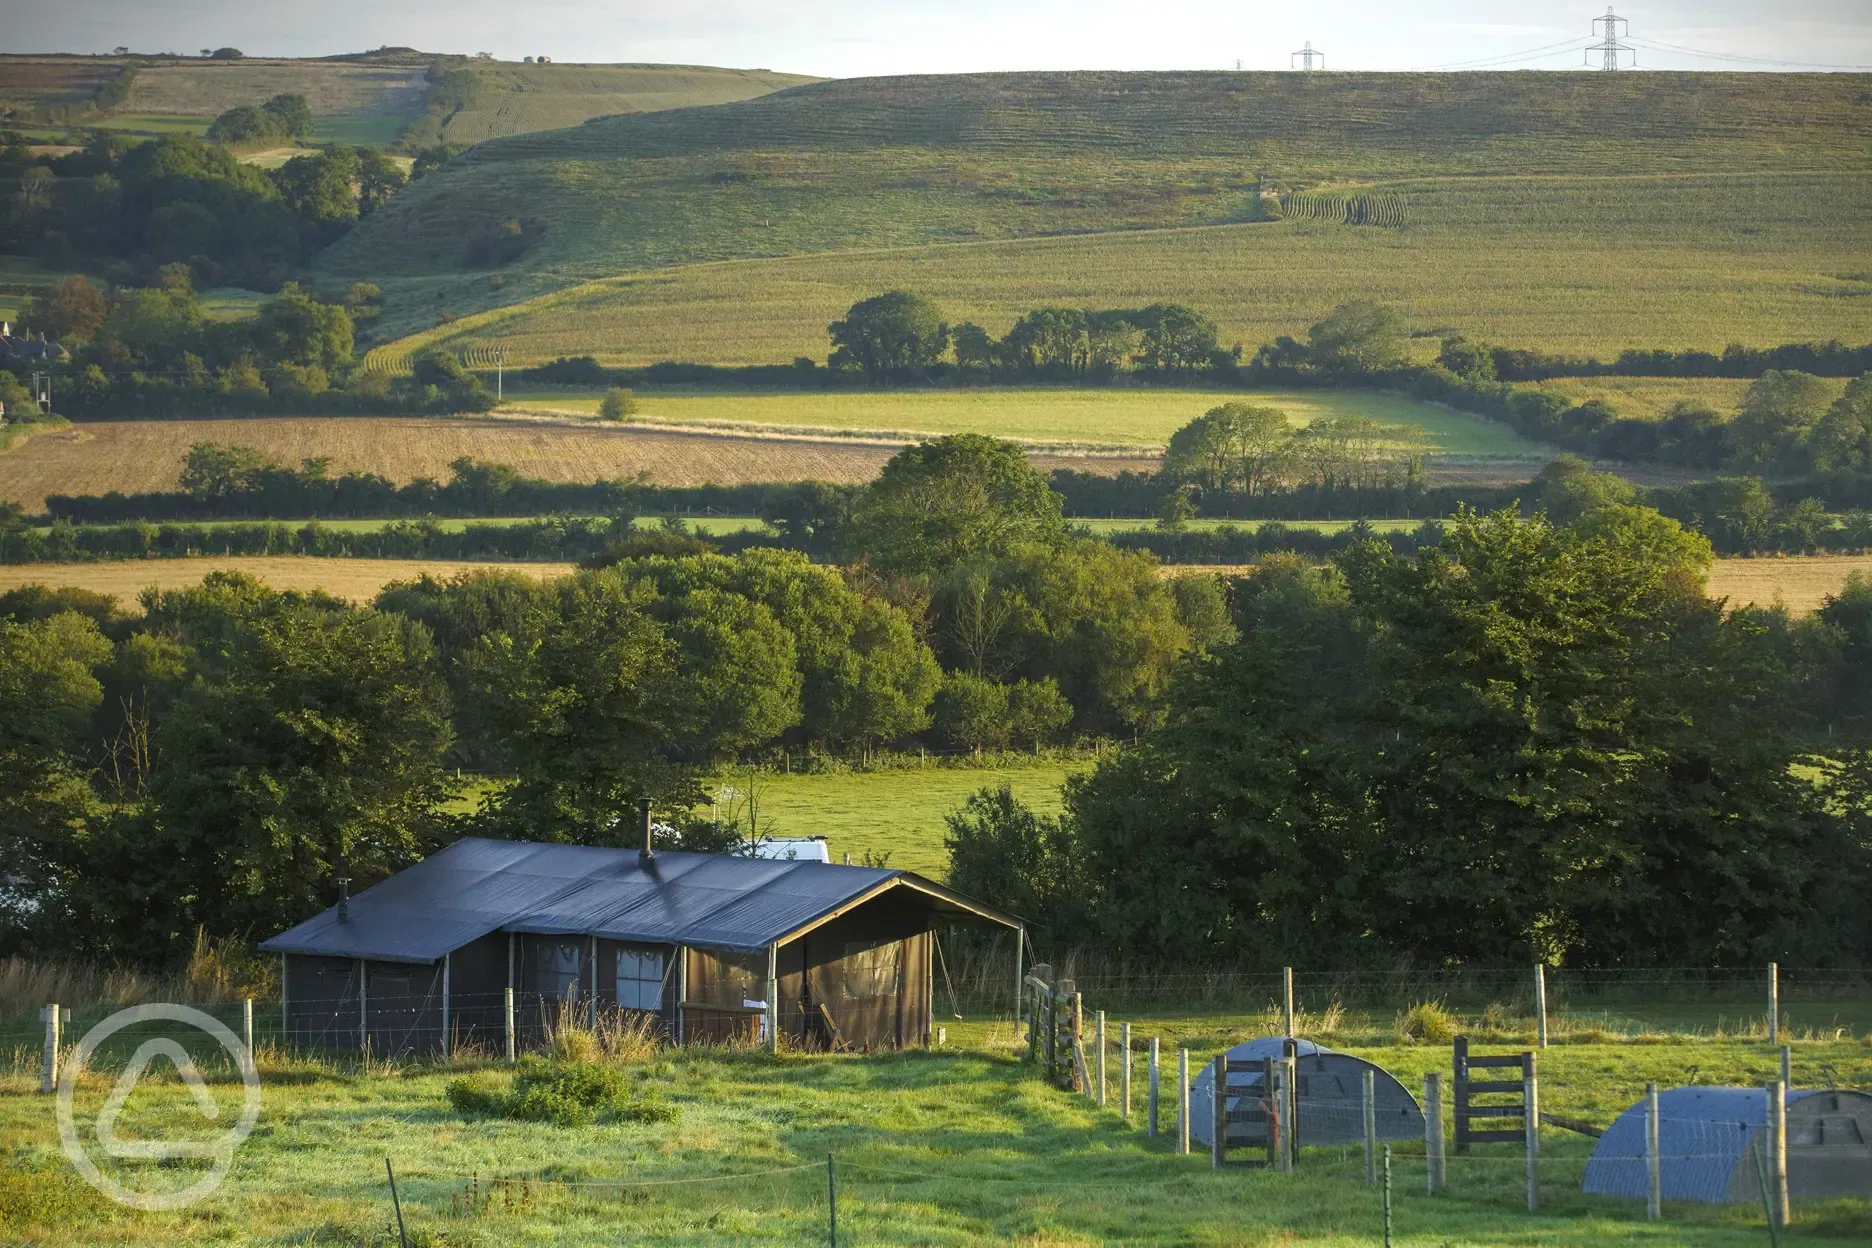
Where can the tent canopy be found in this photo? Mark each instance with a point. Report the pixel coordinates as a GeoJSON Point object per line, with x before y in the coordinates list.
{"type": "Point", "coordinates": [720, 901]}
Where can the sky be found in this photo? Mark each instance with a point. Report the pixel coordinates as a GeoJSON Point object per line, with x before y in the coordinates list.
{"type": "Point", "coordinates": [853, 38]}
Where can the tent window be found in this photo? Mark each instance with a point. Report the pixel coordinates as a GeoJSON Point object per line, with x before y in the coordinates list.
{"type": "Point", "coordinates": [640, 979]}
{"type": "Point", "coordinates": [555, 967]}
{"type": "Point", "coordinates": [727, 979]}
{"type": "Point", "coordinates": [870, 972]}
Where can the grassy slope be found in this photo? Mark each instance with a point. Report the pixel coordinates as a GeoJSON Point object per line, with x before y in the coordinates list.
{"type": "Point", "coordinates": [1723, 185]}
{"type": "Point", "coordinates": [506, 98]}
{"type": "Point", "coordinates": [954, 1148]}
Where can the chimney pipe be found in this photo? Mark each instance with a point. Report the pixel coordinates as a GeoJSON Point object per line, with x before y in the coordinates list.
{"type": "Point", "coordinates": [344, 899]}
{"type": "Point", "coordinates": [643, 824]}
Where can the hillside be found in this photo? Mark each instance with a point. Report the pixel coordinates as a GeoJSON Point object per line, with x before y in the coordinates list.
{"type": "Point", "coordinates": [380, 98]}
{"type": "Point", "coordinates": [1610, 180]}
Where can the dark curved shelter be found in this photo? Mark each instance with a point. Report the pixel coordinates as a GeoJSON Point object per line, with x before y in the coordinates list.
{"type": "Point", "coordinates": [706, 946]}
{"type": "Point", "coordinates": [1330, 1100]}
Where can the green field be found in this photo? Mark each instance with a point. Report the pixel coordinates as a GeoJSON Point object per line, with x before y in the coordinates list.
{"type": "Point", "coordinates": [1129, 418]}
{"type": "Point", "coordinates": [959, 1147]}
{"type": "Point", "coordinates": [1651, 398]}
{"type": "Point", "coordinates": [1738, 210]}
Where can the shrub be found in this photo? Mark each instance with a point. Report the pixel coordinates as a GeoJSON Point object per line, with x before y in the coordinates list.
{"type": "Point", "coordinates": [619, 404]}
{"type": "Point", "coordinates": [1427, 1022]}
{"type": "Point", "coordinates": [560, 1093]}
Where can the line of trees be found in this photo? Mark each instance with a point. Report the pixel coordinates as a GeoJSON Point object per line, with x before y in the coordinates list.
{"type": "Point", "coordinates": [900, 336]}
{"type": "Point", "coordinates": [180, 199]}
{"type": "Point", "coordinates": [213, 763]}
{"type": "Point", "coordinates": [1530, 742]}
{"type": "Point", "coordinates": [155, 352]}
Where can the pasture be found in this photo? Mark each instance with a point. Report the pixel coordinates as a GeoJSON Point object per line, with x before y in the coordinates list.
{"type": "Point", "coordinates": [964, 1146]}
{"type": "Point", "coordinates": [1651, 398]}
{"type": "Point", "coordinates": [1140, 419]}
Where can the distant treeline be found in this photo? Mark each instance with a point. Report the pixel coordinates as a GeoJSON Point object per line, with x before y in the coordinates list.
{"type": "Point", "coordinates": [1822, 359]}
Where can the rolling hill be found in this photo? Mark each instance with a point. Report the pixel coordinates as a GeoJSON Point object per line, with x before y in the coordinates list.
{"type": "Point", "coordinates": [1569, 211]}
{"type": "Point", "coordinates": [394, 95]}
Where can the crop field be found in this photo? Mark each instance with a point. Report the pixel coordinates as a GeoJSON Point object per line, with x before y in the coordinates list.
{"type": "Point", "coordinates": [28, 82]}
{"type": "Point", "coordinates": [138, 456]}
{"type": "Point", "coordinates": [506, 98]}
{"type": "Point", "coordinates": [1801, 583]}
{"type": "Point", "coordinates": [1676, 262]}
{"type": "Point", "coordinates": [1142, 418]}
{"type": "Point", "coordinates": [356, 579]}
{"type": "Point", "coordinates": [1651, 398]}
{"type": "Point", "coordinates": [963, 1146]}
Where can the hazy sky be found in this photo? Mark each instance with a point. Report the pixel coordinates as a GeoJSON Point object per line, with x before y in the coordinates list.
{"type": "Point", "coordinates": [843, 38]}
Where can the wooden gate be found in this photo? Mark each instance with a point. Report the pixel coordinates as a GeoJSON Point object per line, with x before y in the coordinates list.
{"type": "Point", "coordinates": [1469, 1110]}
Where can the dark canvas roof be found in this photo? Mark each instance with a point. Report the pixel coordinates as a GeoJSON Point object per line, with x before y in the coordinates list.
{"type": "Point", "coordinates": [478, 886]}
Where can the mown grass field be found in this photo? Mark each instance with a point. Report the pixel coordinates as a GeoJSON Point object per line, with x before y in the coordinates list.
{"type": "Point", "coordinates": [1142, 418]}
{"type": "Point", "coordinates": [1738, 213]}
{"type": "Point", "coordinates": [956, 1147]}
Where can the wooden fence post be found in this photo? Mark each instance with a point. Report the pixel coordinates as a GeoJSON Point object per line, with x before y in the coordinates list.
{"type": "Point", "coordinates": [1433, 1132]}
{"type": "Point", "coordinates": [1270, 1093]}
{"type": "Point", "coordinates": [1540, 1004]}
{"type": "Point", "coordinates": [509, 1012]}
{"type": "Point", "coordinates": [1124, 1071]}
{"type": "Point", "coordinates": [1218, 1124]}
{"type": "Point", "coordinates": [1371, 1128]}
{"type": "Point", "coordinates": [1156, 1080]}
{"type": "Point", "coordinates": [1099, 1027]}
{"type": "Point", "coordinates": [1777, 1149]}
{"type": "Point", "coordinates": [1183, 1096]}
{"type": "Point", "coordinates": [1654, 1170]}
{"type": "Point", "coordinates": [1774, 1003]}
{"type": "Point", "coordinates": [1530, 1093]}
{"type": "Point", "coordinates": [49, 1076]}
{"type": "Point", "coordinates": [1290, 1111]}
{"type": "Point", "coordinates": [1787, 1068]}
{"type": "Point", "coordinates": [1287, 998]}
{"type": "Point", "coordinates": [247, 1023]}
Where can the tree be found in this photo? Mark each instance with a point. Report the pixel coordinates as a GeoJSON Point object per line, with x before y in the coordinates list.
{"type": "Point", "coordinates": [1233, 446]}
{"type": "Point", "coordinates": [1471, 361]}
{"type": "Point", "coordinates": [1037, 711]}
{"type": "Point", "coordinates": [73, 314]}
{"type": "Point", "coordinates": [213, 471]}
{"type": "Point", "coordinates": [1841, 440]}
{"type": "Point", "coordinates": [1175, 339]}
{"type": "Point", "coordinates": [291, 116]}
{"type": "Point", "coordinates": [1568, 488]}
{"type": "Point", "coordinates": [972, 712]}
{"type": "Point", "coordinates": [974, 348]}
{"type": "Point", "coordinates": [939, 502]}
{"type": "Point", "coordinates": [890, 336]}
{"type": "Point", "coordinates": [619, 404]}
{"type": "Point", "coordinates": [227, 54]}
{"type": "Point", "coordinates": [379, 177]}
{"type": "Point", "coordinates": [1778, 410]}
{"type": "Point", "coordinates": [1360, 336]}
{"type": "Point", "coordinates": [308, 746]}
{"type": "Point", "coordinates": [294, 328]}
{"type": "Point", "coordinates": [1027, 864]}
{"type": "Point", "coordinates": [322, 188]}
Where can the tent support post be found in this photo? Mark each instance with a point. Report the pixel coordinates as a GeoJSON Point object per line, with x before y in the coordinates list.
{"type": "Point", "coordinates": [1020, 984]}
{"type": "Point", "coordinates": [591, 1006]}
{"type": "Point", "coordinates": [448, 1045]}
{"type": "Point", "coordinates": [363, 1032]}
{"type": "Point", "coordinates": [773, 998]}
{"type": "Point", "coordinates": [682, 989]}
{"type": "Point", "coordinates": [284, 980]}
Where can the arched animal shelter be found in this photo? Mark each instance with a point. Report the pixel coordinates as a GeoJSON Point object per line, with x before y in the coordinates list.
{"type": "Point", "coordinates": [1709, 1139]}
{"type": "Point", "coordinates": [1330, 1100]}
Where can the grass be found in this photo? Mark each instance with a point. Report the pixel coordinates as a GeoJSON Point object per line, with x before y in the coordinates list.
{"type": "Point", "coordinates": [1651, 398]}
{"type": "Point", "coordinates": [1116, 190]}
{"type": "Point", "coordinates": [206, 89]}
{"type": "Point", "coordinates": [356, 579]}
{"type": "Point", "coordinates": [896, 812]}
{"type": "Point", "coordinates": [956, 1147]}
{"type": "Point", "coordinates": [507, 98]}
{"type": "Point", "coordinates": [1142, 418]}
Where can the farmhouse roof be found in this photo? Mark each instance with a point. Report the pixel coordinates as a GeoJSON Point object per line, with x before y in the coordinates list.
{"type": "Point", "coordinates": [717, 901]}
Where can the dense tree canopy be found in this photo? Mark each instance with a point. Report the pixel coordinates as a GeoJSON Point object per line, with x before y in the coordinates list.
{"type": "Point", "coordinates": [939, 502]}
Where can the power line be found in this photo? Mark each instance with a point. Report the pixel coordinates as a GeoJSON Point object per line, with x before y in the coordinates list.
{"type": "Point", "coordinates": [1731, 56]}
{"type": "Point", "coordinates": [1529, 54]}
